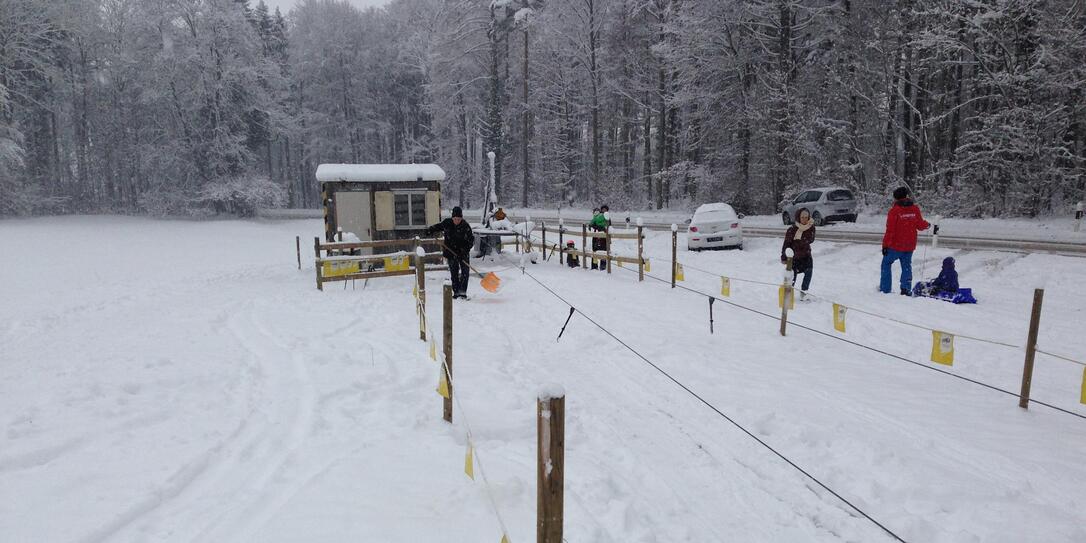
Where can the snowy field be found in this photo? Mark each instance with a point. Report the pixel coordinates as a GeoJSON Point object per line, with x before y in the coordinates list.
{"type": "Point", "coordinates": [183, 381]}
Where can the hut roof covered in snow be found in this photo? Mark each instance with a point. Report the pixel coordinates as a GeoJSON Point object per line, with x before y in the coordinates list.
{"type": "Point", "coordinates": [379, 173]}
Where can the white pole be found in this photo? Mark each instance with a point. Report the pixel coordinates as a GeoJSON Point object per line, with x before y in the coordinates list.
{"type": "Point", "coordinates": [490, 192]}
{"type": "Point", "coordinates": [935, 231]}
{"type": "Point", "coordinates": [1078, 216]}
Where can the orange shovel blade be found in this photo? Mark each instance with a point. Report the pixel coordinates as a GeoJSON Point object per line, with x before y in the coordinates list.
{"type": "Point", "coordinates": [491, 282]}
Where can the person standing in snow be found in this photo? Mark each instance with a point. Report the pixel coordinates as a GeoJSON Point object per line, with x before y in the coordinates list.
{"type": "Point", "coordinates": [799, 238]}
{"type": "Point", "coordinates": [600, 223]}
{"type": "Point", "coordinates": [459, 240]}
{"type": "Point", "coordinates": [898, 243]}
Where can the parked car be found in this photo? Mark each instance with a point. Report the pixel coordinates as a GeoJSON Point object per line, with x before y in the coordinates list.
{"type": "Point", "coordinates": [827, 204]}
{"type": "Point", "coordinates": [715, 226]}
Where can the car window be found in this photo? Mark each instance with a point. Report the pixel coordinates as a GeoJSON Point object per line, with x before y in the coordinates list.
{"type": "Point", "coordinates": [839, 196]}
{"type": "Point", "coordinates": [715, 215]}
{"type": "Point", "coordinates": [810, 196]}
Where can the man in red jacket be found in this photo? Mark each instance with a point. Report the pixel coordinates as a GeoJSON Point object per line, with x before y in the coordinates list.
{"type": "Point", "coordinates": [902, 223]}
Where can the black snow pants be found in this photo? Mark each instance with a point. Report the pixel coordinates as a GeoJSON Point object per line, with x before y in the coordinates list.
{"type": "Point", "coordinates": [459, 271]}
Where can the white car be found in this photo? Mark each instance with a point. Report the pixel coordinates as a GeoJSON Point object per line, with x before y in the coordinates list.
{"type": "Point", "coordinates": [715, 226]}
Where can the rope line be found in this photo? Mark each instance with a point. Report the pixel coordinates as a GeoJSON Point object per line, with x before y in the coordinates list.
{"type": "Point", "coordinates": [467, 425]}
{"type": "Point", "coordinates": [855, 309]}
{"type": "Point", "coordinates": [885, 353]}
{"type": "Point", "coordinates": [717, 410]}
{"type": "Point", "coordinates": [874, 349]}
{"type": "Point", "coordinates": [1061, 357]}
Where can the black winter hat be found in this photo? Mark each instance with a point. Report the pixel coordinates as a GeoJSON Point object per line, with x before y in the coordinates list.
{"type": "Point", "coordinates": [457, 212]}
{"type": "Point", "coordinates": [901, 193]}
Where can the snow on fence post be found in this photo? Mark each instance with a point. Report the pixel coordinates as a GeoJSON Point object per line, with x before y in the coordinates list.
{"type": "Point", "coordinates": [420, 278]}
{"type": "Point", "coordinates": [298, 247]}
{"type": "Point", "coordinates": [1078, 216]}
{"type": "Point", "coordinates": [550, 466]}
{"type": "Point", "coordinates": [447, 339]}
{"type": "Point", "coordinates": [317, 265]}
{"type": "Point", "coordinates": [584, 245]}
{"type": "Point", "coordinates": [1031, 347]}
{"type": "Point", "coordinates": [935, 231]}
{"type": "Point", "coordinates": [640, 250]}
{"type": "Point", "coordinates": [674, 252]}
{"type": "Point", "coordinates": [789, 291]}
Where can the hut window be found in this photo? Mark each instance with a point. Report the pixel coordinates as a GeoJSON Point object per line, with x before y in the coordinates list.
{"type": "Point", "coordinates": [410, 209]}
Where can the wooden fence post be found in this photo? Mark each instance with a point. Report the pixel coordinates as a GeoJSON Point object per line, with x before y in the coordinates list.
{"type": "Point", "coordinates": [550, 465]}
{"type": "Point", "coordinates": [674, 252]}
{"type": "Point", "coordinates": [561, 242]}
{"type": "Point", "coordinates": [298, 247]}
{"type": "Point", "coordinates": [788, 294]}
{"type": "Point", "coordinates": [543, 249]}
{"type": "Point", "coordinates": [420, 278]}
{"type": "Point", "coordinates": [447, 314]}
{"type": "Point", "coordinates": [607, 246]}
{"type": "Point", "coordinates": [1031, 347]}
{"type": "Point", "coordinates": [317, 265]}
{"type": "Point", "coordinates": [528, 234]}
{"type": "Point", "coordinates": [584, 245]}
{"type": "Point", "coordinates": [640, 250]}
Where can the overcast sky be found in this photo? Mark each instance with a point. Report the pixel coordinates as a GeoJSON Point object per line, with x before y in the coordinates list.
{"type": "Point", "coordinates": [285, 5]}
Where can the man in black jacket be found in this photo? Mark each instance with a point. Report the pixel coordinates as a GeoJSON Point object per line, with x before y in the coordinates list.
{"type": "Point", "coordinates": [457, 250]}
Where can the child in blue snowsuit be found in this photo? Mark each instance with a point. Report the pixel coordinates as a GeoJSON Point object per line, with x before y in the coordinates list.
{"type": "Point", "coordinates": [946, 283]}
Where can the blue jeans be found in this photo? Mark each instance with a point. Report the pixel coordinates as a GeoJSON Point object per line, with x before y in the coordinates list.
{"type": "Point", "coordinates": [806, 267]}
{"type": "Point", "coordinates": [906, 270]}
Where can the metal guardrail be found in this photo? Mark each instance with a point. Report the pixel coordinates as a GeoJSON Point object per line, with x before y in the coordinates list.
{"type": "Point", "coordinates": [1065, 248]}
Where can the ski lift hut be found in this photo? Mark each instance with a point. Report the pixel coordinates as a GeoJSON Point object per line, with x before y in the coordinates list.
{"type": "Point", "coordinates": [380, 201]}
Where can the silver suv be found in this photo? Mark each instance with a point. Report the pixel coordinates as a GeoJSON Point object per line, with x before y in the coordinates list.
{"type": "Point", "coordinates": [826, 205]}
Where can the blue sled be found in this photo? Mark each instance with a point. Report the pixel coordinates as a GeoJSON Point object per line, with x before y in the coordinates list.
{"type": "Point", "coordinates": [963, 296]}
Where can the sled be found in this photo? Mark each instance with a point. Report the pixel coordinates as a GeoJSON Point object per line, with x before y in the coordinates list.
{"type": "Point", "coordinates": [963, 296]}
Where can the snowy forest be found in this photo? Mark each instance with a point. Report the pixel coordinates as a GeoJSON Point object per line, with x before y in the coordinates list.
{"type": "Point", "coordinates": [223, 106]}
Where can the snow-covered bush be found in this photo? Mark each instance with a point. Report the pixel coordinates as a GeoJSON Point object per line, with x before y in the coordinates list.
{"type": "Point", "coordinates": [242, 196]}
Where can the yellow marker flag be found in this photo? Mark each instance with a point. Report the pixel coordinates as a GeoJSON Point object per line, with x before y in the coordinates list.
{"type": "Point", "coordinates": [791, 299]}
{"type": "Point", "coordinates": [679, 272]}
{"type": "Point", "coordinates": [433, 350]}
{"type": "Point", "coordinates": [839, 317]}
{"type": "Point", "coordinates": [942, 348]}
{"type": "Point", "coordinates": [1083, 398]}
{"type": "Point", "coordinates": [725, 287]}
{"type": "Point", "coordinates": [443, 386]}
{"type": "Point", "coordinates": [469, 463]}
{"type": "Point", "coordinates": [648, 266]}
{"type": "Point", "coordinates": [505, 538]}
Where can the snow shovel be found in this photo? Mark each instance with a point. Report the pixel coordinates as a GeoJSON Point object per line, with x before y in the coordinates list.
{"type": "Point", "coordinates": [491, 282]}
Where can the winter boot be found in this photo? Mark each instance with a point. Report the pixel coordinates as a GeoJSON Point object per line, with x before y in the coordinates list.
{"type": "Point", "coordinates": [803, 296]}
{"type": "Point", "coordinates": [905, 292]}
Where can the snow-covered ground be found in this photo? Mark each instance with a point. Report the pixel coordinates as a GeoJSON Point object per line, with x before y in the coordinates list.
{"type": "Point", "coordinates": [183, 381]}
